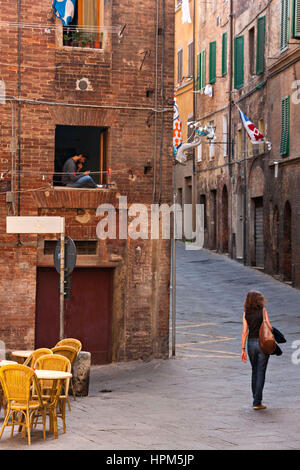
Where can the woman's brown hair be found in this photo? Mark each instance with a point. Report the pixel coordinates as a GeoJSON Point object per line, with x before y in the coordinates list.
{"type": "Point", "coordinates": [254, 301]}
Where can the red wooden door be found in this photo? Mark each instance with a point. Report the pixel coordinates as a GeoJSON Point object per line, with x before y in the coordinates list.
{"type": "Point", "coordinates": [88, 313]}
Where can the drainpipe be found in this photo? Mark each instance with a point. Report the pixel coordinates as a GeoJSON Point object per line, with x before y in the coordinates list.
{"type": "Point", "coordinates": [156, 103]}
{"type": "Point", "coordinates": [163, 27]}
{"type": "Point", "coordinates": [19, 113]}
{"type": "Point", "coordinates": [194, 177]}
{"type": "Point", "coordinates": [230, 142]}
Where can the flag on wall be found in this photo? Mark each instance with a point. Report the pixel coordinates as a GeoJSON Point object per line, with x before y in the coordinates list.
{"type": "Point", "coordinates": [177, 132]}
{"type": "Point", "coordinates": [64, 10]}
{"type": "Point", "coordinates": [186, 16]}
{"type": "Point", "coordinates": [254, 134]}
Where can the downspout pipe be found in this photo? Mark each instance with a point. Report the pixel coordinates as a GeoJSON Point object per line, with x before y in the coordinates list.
{"type": "Point", "coordinates": [19, 112]}
{"type": "Point", "coordinates": [230, 141]}
{"type": "Point", "coordinates": [163, 32]}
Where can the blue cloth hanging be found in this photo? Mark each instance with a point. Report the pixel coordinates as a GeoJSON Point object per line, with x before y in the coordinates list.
{"type": "Point", "coordinates": [64, 10]}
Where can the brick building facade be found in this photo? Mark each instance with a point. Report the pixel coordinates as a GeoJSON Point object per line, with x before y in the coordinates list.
{"type": "Point", "coordinates": [250, 51]}
{"type": "Point", "coordinates": [64, 96]}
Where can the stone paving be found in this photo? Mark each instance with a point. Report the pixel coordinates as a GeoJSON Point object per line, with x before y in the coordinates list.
{"type": "Point", "coordinates": [201, 399]}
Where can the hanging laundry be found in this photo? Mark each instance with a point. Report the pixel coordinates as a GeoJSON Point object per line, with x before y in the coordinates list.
{"type": "Point", "coordinates": [186, 16]}
{"type": "Point", "coordinates": [64, 10]}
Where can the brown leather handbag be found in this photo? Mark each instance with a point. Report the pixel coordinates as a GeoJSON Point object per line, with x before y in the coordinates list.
{"type": "Point", "coordinates": [267, 342]}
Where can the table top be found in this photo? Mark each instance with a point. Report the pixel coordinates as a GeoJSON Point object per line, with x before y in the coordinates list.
{"type": "Point", "coordinates": [22, 353]}
{"type": "Point", "coordinates": [4, 362]}
{"type": "Point", "coordinates": [52, 374]}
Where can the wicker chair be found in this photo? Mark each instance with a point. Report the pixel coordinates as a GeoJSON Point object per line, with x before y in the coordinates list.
{"type": "Point", "coordinates": [53, 392]}
{"type": "Point", "coordinates": [71, 354]}
{"type": "Point", "coordinates": [16, 381]}
{"type": "Point", "coordinates": [31, 360]}
{"type": "Point", "coordinates": [75, 343]}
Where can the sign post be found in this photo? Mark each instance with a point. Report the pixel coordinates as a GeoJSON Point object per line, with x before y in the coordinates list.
{"type": "Point", "coordinates": [64, 261]}
{"type": "Point", "coordinates": [20, 224]}
{"type": "Point", "coordinates": [62, 287]}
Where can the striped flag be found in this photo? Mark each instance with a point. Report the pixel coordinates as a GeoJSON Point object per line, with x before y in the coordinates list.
{"type": "Point", "coordinates": [177, 132]}
{"type": "Point", "coordinates": [254, 134]}
{"type": "Point", "coordinates": [64, 10]}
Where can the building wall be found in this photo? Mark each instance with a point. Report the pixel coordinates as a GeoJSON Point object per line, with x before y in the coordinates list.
{"type": "Point", "coordinates": [233, 185]}
{"type": "Point", "coordinates": [120, 97]}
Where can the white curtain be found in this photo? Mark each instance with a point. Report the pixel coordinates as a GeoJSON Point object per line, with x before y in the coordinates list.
{"type": "Point", "coordinates": [186, 16]}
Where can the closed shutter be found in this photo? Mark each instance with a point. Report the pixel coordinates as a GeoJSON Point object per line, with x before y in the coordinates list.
{"type": "Point", "coordinates": [238, 62]}
{"type": "Point", "coordinates": [285, 126]}
{"type": "Point", "coordinates": [284, 32]}
{"type": "Point", "coordinates": [212, 62]}
{"type": "Point", "coordinates": [198, 71]}
{"type": "Point", "coordinates": [260, 51]}
{"type": "Point", "coordinates": [203, 69]}
{"type": "Point", "coordinates": [296, 19]}
{"type": "Point", "coordinates": [179, 65]}
{"type": "Point", "coordinates": [224, 54]}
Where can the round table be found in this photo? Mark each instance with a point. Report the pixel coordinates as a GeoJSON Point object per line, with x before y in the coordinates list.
{"type": "Point", "coordinates": [21, 355]}
{"type": "Point", "coordinates": [44, 374]}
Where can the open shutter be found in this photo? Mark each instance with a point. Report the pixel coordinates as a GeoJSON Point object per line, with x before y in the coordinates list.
{"type": "Point", "coordinates": [284, 32]}
{"type": "Point", "coordinates": [212, 62]}
{"type": "Point", "coordinates": [238, 62]}
{"type": "Point", "coordinates": [296, 19]}
{"type": "Point", "coordinates": [260, 50]}
{"type": "Point", "coordinates": [285, 126]}
{"type": "Point", "coordinates": [224, 54]}
{"type": "Point", "coordinates": [203, 69]}
{"type": "Point", "coordinates": [198, 71]}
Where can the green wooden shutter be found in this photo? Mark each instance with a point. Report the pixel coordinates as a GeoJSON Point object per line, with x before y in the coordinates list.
{"type": "Point", "coordinates": [260, 49]}
{"type": "Point", "coordinates": [212, 62]}
{"type": "Point", "coordinates": [296, 19]}
{"type": "Point", "coordinates": [284, 32]}
{"type": "Point", "coordinates": [203, 69]}
{"type": "Point", "coordinates": [198, 71]}
{"type": "Point", "coordinates": [285, 126]}
{"type": "Point", "coordinates": [239, 62]}
{"type": "Point", "coordinates": [224, 54]}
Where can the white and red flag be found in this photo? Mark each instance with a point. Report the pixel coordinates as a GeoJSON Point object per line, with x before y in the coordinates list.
{"type": "Point", "coordinates": [254, 134]}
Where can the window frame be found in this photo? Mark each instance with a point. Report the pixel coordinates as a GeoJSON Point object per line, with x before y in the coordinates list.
{"type": "Point", "coordinates": [212, 62]}
{"type": "Point", "coordinates": [296, 19]}
{"type": "Point", "coordinates": [285, 25]}
{"type": "Point", "coordinates": [224, 53]}
{"type": "Point", "coordinates": [179, 64]}
{"type": "Point", "coordinates": [260, 45]}
{"type": "Point", "coordinates": [285, 126]}
{"type": "Point", "coordinates": [238, 62]}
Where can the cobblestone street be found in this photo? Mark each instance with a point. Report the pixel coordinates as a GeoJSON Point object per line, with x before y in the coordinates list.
{"type": "Point", "coordinates": [202, 398]}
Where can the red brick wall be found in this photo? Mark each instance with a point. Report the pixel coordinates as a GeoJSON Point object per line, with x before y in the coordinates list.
{"type": "Point", "coordinates": [118, 80]}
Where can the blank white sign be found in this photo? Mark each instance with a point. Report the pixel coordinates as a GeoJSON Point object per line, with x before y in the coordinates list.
{"type": "Point", "coordinates": [35, 224]}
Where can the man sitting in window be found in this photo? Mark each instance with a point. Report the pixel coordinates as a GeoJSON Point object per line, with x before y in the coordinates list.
{"type": "Point", "coordinates": [72, 176]}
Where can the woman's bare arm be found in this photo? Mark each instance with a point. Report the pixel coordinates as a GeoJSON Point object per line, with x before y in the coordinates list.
{"type": "Point", "coordinates": [244, 337]}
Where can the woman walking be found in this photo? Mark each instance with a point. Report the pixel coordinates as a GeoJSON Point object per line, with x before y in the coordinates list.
{"type": "Point", "coordinates": [252, 319]}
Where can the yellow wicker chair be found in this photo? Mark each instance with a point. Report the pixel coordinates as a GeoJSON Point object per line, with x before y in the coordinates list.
{"type": "Point", "coordinates": [30, 361]}
{"type": "Point", "coordinates": [75, 343]}
{"type": "Point", "coordinates": [71, 354]}
{"type": "Point", "coordinates": [55, 393]}
{"type": "Point", "coordinates": [16, 381]}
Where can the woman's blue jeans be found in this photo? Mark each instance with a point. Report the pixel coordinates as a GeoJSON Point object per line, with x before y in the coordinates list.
{"type": "Point", "coordinates": [259, 362]}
